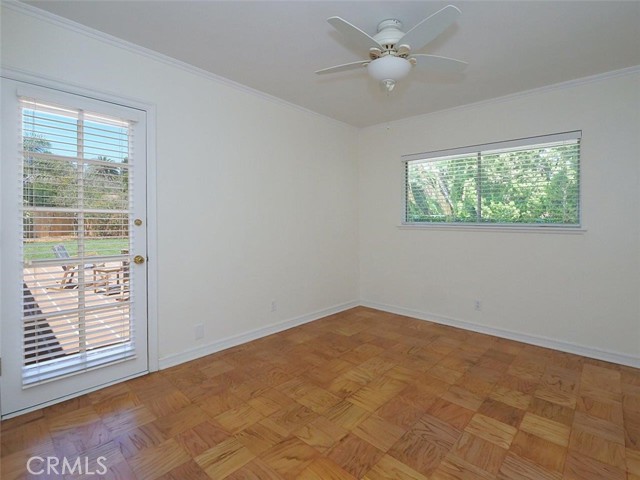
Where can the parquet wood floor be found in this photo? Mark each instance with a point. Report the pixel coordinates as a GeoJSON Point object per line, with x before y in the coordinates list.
{"type": "Point", "coordinates": [358, 395]}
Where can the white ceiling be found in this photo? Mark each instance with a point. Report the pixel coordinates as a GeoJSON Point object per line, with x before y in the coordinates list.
{"type": "Point", "coordinates": [275, 46]}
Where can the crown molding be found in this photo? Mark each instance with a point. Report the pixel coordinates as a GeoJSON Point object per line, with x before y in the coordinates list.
{"type": "Point", "coordinates": [62, 22]}
{"type": "Point", "coordinates": [599, 77]}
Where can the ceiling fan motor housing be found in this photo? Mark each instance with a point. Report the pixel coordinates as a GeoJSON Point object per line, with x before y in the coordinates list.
{"type": "Point", "coordinates": [389, 32]}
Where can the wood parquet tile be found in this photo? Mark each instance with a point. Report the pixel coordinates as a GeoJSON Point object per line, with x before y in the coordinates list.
{"type": "Point", "coordinates": [379, 432]}
{"type": "Point", "coordinates": [418, 453]}
{"type": "Point", "coordinates": [355, 455]}
{"type": "Point", "coordinates": [517, 468]}
{"type": "Point", "coordinates": [321, 434]}
{"type": "Point", "coordinates": [491, 430]}
{"type": "Point", "coordinates": [362, 394]}
{"type": "Point", "coordinates": [555, 432]}
{"type": "Point", "coordinates": [485, 455]}
{"type": "Point", "coordinates": [324, 469]}
{"type": "Point", "coordinates": [388, 468]}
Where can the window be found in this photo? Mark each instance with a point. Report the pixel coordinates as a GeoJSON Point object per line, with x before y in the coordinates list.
{"type": "Point", "coordinates": [76, 202]}
{"type": "Point", "coordinates": [528, 182]}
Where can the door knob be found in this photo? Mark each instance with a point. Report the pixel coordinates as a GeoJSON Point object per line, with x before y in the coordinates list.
{"type": "Point", "coordinates": [138, 259]}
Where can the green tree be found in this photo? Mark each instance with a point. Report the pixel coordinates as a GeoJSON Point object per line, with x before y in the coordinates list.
{"type": "Point", "coordinates": [47, 182]}
{"type": "Point", "coordinates": [106, 187]}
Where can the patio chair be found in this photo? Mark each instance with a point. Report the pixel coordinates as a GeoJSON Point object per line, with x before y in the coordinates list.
{"type": "Point", "coordinates": [69, 270]}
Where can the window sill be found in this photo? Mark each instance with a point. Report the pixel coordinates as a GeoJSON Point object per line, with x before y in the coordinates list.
{"type": "Point", "coordinates": [496, 228]}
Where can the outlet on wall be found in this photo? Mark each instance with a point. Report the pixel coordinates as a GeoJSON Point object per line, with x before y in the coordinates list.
{"type": "Point", "coordinates": [274, 306]}
{"type": "Point", "coordinates": [199, 331]}
{"type": "Point", "coordinates": [477, 305]}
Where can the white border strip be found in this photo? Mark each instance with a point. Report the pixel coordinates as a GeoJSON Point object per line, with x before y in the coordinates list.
{"type": "Point", "coordinates": [477, 227]}
{"type": "Point", "coordinates": [569, 347]}
{"type": "Point", "coordinates": [234, 340]}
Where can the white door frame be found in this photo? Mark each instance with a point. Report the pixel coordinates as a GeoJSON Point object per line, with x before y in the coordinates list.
{"type": "Point", "coordinates": [152, 234]}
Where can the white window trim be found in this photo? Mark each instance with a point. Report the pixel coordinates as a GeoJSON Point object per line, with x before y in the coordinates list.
{"type": "Point", "coordinates": [477, 227]}
{"type": "Point", "coordinates": [492, 227]}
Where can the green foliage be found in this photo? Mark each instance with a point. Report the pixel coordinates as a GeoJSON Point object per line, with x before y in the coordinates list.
{"type": "Point", "coordinates": [46, 182]}
{"type": "Point", "coordinates": [53, 182]}
{"type": "Point", "coordinates": [532, 186]}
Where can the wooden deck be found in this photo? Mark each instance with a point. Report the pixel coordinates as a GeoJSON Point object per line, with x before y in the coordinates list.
{"type": "Point", "coordinates": [105, 293]}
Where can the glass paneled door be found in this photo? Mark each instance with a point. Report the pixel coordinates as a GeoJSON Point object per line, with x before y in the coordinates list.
{"type": "Point", "coordinates": [74, 270]}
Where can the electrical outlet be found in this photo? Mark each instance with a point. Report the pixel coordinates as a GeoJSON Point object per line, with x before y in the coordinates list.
{"type": "Point", "coordinates": [477, 305]}
{"type": "Point", "coordinates": [199, 331]}
{"type": "Point", "coordinates": [274, 306]}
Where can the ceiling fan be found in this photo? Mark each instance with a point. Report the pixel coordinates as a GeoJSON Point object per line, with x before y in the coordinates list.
{"type": "Point", "coordinates": [390, 50]}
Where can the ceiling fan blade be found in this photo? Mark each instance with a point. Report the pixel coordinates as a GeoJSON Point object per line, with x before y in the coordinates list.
{"type": "Point", "coordinates": [343, 67]}
{"type": "Point", "coordinates": [353, 33]}
{"type": "Point", "coordinates": [440, 64]}
{"type": "Point", "coordinates": [429, 28]}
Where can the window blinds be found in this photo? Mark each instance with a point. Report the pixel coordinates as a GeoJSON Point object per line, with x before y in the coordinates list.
{"type": "Point", "coordinates": [533, 181]}
{"type": "Point", "coordinates": [76, 202]}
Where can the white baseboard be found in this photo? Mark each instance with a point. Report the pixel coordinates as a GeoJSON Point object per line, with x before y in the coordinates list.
{"type": "Point", "coordinates": [608, 356]}
{"type": "Point", "coordinates": [234, 340]}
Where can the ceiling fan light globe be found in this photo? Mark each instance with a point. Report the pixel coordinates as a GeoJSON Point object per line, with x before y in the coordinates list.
{"type": "Point", "coordinates": [389, 68]}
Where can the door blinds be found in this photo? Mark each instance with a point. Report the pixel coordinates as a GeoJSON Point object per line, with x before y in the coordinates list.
{"type": "Point", "coordinates": [75, 193]}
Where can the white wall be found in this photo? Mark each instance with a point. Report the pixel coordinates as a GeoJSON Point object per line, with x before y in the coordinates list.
{"type": "Point", "coordinates": [573, 289]}
{"type": "Point", "coordinates": [266, 192]}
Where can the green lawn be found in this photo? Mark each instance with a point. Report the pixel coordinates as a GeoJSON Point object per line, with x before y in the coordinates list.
{"type": "Point", "coordinates": [102, 246]}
